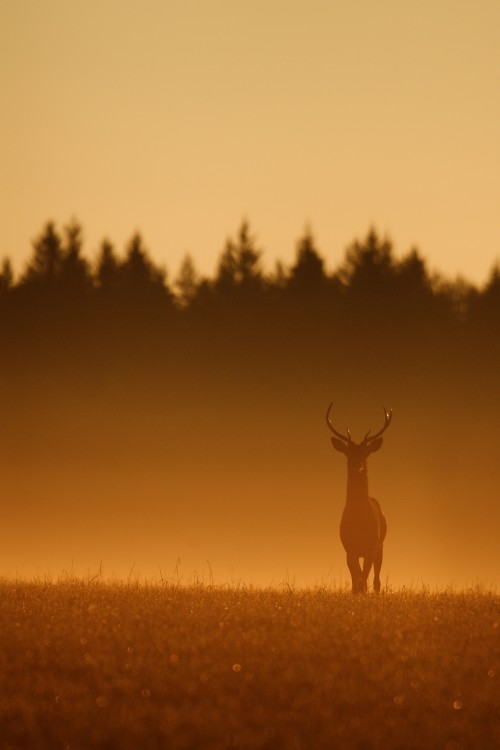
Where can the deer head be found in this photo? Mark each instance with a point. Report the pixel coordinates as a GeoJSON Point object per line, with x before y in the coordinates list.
{"type": "Point", "coordinates": [357, 453]}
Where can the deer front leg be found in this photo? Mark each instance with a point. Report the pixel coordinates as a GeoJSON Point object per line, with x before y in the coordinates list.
{"type": "Point", "coordinates": [356, 574]}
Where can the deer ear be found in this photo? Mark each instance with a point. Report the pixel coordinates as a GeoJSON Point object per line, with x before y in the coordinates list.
{"type": "Point", "coordinates": [376, 445]}
{"type": "Point", "coordinates": [339, 445]}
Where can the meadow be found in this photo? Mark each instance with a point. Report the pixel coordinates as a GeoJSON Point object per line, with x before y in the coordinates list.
{"type": "Point", "coordinates": [88, 664]}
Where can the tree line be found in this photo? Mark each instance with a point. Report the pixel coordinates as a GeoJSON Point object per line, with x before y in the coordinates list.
{"type": "Point", "coordinates": [372, 296]}
{"type": "Point", "coordinates": [369, 274]}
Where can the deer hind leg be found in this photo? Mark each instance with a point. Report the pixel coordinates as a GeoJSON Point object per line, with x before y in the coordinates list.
{"type": "Point", "coordinates": [377, 564]}
{"type": "Point", "coordinates": [356, 574]}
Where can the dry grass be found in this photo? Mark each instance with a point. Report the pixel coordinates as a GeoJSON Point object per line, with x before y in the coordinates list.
{"type": "Point", "coordinates": [90, 665]}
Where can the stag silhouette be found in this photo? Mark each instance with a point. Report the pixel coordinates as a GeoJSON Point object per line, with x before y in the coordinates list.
{"type": "Point", "coordinates": [363, 526]}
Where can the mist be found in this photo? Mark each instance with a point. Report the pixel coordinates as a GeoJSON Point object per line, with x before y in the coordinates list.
{"type": "Point", "coordinates": [151, 439]}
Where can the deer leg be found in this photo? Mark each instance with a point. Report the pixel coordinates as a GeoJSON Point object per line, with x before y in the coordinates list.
{"type": "Point", "coordinates": [367, 566]}
{"type": "Point", "coordinates": [377, 564]}
{"type": "Point", "coordinates": [355, 570]}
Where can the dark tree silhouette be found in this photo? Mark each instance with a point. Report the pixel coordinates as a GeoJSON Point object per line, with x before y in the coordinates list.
{"type": "Point", "coordinates": [307, 275]}
{"type": "Point", "coordinates": [492, 287]}
{"type": "Point", "coordinates": [107, 273]}
{"type": "Point", "coordinates": [45, 265]}
{"type": "Point", "coordinates": [308, 302]}
{"type": "Point", "coordinates": [413, 275]}
{"type": "Point", "coordinates": [369, 299]}
{"type": "Point", "coordinates": [240, 264]}
{"type": "Point", "coordinates": [414, 293]}
{"type": "Point", "coordinates": [143, 291]}
{"type": "Point", "coordinates": [485, 307]}
{"type": "Point", "coordinates": [6, 277]}
{"type": "Point", "coordinates": [75, 269]}
{"type": "Point", "coordinates": [57, 265]}
{"type": "Point", "coordinates": [187, 283]}
{"type": "Point", "coordinates": [138, 272]}
{"type": "Point", "coordinates": [368, 264]}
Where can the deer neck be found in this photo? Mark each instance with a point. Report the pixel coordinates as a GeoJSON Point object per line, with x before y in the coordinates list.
{"type": "Point", "coordinates": [357, 485]}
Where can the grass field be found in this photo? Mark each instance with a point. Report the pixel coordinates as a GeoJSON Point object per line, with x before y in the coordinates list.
{"type": "Point", "coordinates": [134, 666]}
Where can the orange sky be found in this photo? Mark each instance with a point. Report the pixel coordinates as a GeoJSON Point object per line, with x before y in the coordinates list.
{"type": "Point", "coordinates": [181, 118]}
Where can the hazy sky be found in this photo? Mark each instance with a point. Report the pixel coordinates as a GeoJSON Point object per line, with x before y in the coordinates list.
{"type": "Point", "coordinates": [179, 118]}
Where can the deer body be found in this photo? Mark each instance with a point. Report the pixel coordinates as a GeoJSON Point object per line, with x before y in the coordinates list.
{"type": "Point", "coordinates": [363, 526]}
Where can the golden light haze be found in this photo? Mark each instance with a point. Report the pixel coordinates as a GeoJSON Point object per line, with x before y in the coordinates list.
{"type": "Point", "coordinates": [180, 118]}
{"type": "Point", "coordinates": [135, 435]}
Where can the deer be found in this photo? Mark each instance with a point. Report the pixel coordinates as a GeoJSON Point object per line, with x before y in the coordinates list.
{"type": "Point", "coordinates": [363, 527]}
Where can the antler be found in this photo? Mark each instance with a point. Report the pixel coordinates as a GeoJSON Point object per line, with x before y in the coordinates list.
{"type": "Point", "coordinates": [388, 416]}
{"type": "Point", "coordinates": [347, 437]}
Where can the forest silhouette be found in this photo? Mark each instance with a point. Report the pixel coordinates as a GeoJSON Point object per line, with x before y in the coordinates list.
{"type": "Point", "coordinates": [144, 416]}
